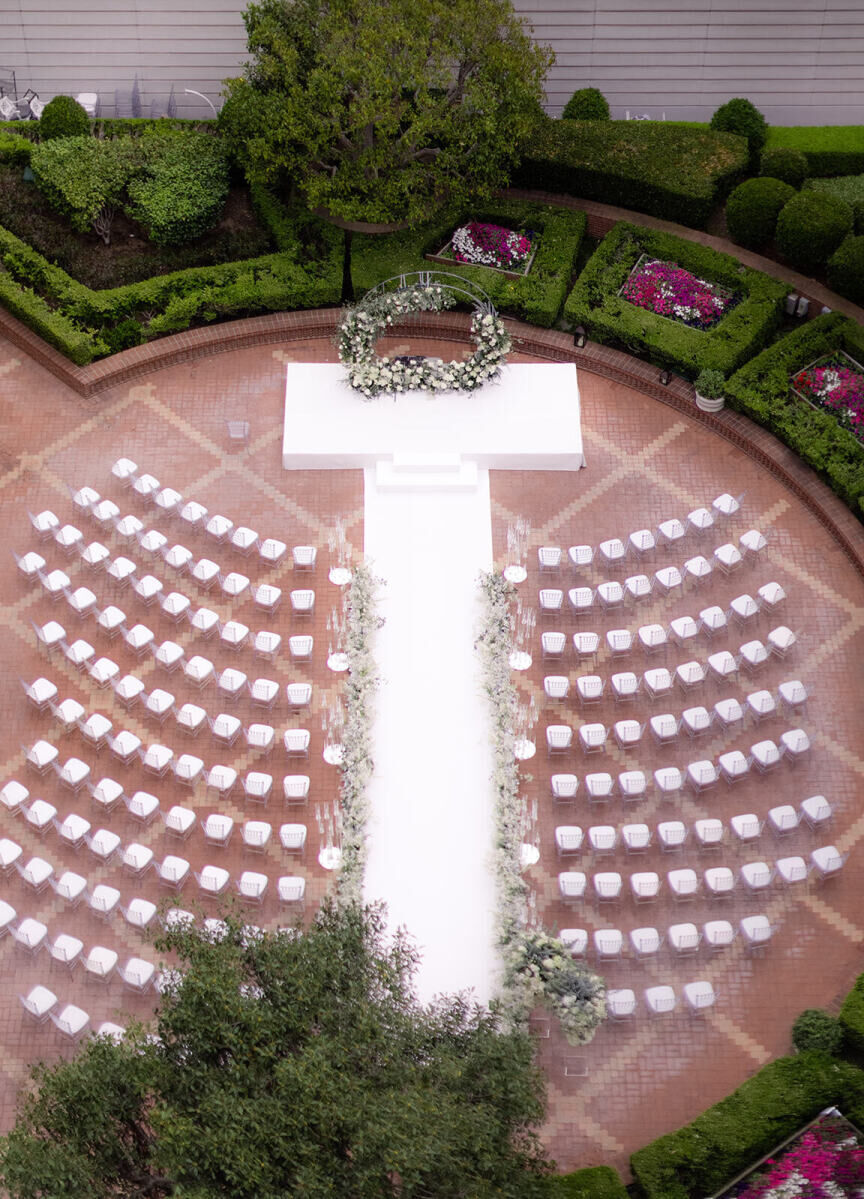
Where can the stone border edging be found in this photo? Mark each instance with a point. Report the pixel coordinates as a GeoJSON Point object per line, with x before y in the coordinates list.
{"type": "Point", "coordinates": [548, 344]}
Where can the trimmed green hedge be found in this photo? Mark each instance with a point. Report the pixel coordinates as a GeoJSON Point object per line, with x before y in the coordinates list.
{"type": "Point", "coordinates": [753, 208]}
{"type": "Point", "coordinates": [851, 1016]}
{"type": "Point", "coordinates": [594, 1182]}
{"type": "Point", "coordinates": [830, 149]}
{"type": "Point", "coordinates": [79, 321]}
{"type": "Point", "coordinates": [845, 187]}
{"type": "Point", "coordinates": [846, 269]}
{"type": "Point", "coordinates": [761, 390]}
{"type": "Point", "coordinates": [536, 297]}
{"type": "Point", "coordinates": [671, 171]}
{"type": "Point", "coordinates": [596, 304]}
{"type": "Point", "coordinates": [702, 1157]}
{"type": "Point", "coordinates": [110, 127]}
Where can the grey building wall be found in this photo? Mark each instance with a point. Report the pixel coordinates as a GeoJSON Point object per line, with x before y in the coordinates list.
{"type": "Point", "coordinates": [800, 61]}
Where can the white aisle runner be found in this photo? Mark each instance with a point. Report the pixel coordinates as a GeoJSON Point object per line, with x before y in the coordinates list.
{"type": "Point", "coordinates": [431, 820]}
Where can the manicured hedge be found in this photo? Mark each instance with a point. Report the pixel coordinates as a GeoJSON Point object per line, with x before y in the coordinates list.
{"type": "Point", "coordinates": [810, 228]}
{"type": "Point", "coordinates": [846, 269]}
{"type": "Point", "coordinates": [670, 171]}
{"type": "Point", "coordinates": [702, 1157]}
{"type": "Point", "coordinates": [109, 127]}
{"type": "Point", "coordinates": [595, 303]}
{"type": "Point", "coordinates": [830, 149]}
{"type": "Point", "coordinates": [753, 207]}
{"type": "Point", "coordinates": [845, 187]}
{"type": "Point", "coordinates": [594, 1182]}
{"type": "Point", "coordinates": [851, 1016]}
{"type": "Point", "coordinates": [761, 390]}
{"type": "Point", "coordinates": [78, 320]}
{"type": "Point", "coordinates": [536, 297]}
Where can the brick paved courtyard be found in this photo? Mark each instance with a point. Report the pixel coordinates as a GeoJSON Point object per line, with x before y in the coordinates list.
{"type": "Point", "coordinates": [645, 463]}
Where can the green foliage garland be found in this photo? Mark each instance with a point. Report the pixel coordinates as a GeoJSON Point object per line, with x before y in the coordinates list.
{"type": "Point", "coordinates": [537, 966]}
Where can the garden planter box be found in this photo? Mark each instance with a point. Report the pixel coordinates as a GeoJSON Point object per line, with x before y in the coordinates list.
{"type": "Point", "coordinates": [445, 257]}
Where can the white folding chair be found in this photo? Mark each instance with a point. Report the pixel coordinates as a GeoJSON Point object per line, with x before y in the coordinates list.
{"type": "Point", "coordinates": [660, 1000]}
{"type": "Point", "coordinates": [684, 939]}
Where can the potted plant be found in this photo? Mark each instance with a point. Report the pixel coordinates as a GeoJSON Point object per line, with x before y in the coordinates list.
{"type": "Point", "coordinates": [710, 386]}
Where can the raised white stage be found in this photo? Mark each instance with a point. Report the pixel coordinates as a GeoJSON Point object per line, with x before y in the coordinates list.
{"type": "Point", "coordinates": [530, 419]}
{"type": "Point", "coordinates": [428, 533]}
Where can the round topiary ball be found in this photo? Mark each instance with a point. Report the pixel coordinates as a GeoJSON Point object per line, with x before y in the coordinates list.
{"type": "Point", "coordinates": [752, 210]}
{"type": "Point", "coordinates": [846, 269]}
{"type": "Point", "coordinates": [63, 117]}
{"type": "Point", "coordinates": [742, 117]}
{"type": "Point", "coordinates": [810, 228]}
{"type": "Point", "coordinates": [815, 1029]}
{"type": "Point", "coordinates": [588, 104]}
{"type": "Point", "coordinates": [784, 163]}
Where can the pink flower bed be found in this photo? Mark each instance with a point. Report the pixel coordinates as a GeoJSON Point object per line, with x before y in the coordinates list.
{"type": "Point", "coordinates": [669, 290]}
{"type": "Point", "coordinates": [480, 244]}
{"type": "Point", "coordinates": [838, 387]}
{"type": "Point", "coordinates": [826, 1162]}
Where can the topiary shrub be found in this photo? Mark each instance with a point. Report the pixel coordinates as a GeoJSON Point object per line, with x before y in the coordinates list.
{"type": "Point", "coordinates": [810, 228]}
{"type": "Point", "coordinates": [849, 188]}
{"type": "Point", "coordinates": [588, 104]}
{"type": "Point", "coordinates": [741, 117]}
{"type": "Point", "coordinates": [846, 269]}
{"type": "Point", "coordinates": [183, 187]}
{"type": "Point", "coordinates": [14, 149]}
{"type": "Point", "coordinates": [63, 117]}
{"type": "Point", "coordinates": [711, 384]}
{"type": "Point", "coordinates": [815, 1029]}
{"type": "Point", "coordinates": [786, 164]}
{"type": "Point", "coordinates": [84, 178]}
{"type": "Point", "coordinates": [753, 208]}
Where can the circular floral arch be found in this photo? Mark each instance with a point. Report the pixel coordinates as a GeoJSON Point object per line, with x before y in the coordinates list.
{"type": "Point", "coordinates": [421, 291]}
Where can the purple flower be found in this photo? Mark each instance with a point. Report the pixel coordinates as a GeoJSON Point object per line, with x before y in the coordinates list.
{"type": "Point", "coordinates": [668, 290]}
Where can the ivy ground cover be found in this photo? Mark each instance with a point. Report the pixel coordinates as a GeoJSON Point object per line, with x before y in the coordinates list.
{"type": "Point", "coordinates": [825, 1162]}
{"type": "Point", "coordinates": [836, 384]}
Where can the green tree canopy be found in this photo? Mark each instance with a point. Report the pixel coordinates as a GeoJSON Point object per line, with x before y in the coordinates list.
{"type": "Point", "coordinates": [377, 109]}
{"type": "Point", "coordinates": [288, 1064]}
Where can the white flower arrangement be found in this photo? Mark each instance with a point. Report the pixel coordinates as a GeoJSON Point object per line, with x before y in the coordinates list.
{"type": "Point", "coordinates": [537, 966]}
{"type": "Point", "coordinates": [357, 763]}
{"type": "Point", "coordinates": [362, 324]}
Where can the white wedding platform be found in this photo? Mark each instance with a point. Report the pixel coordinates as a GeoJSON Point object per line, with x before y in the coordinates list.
{"type": "Point", "coordinates": [428, 534]}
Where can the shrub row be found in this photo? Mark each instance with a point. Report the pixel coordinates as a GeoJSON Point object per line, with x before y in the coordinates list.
{"type": "Point", "coordinates": [702, 1157]}
{"type": "Point", "coordinates": [175, 184]}
{"type": "Point", "coordinates": [761, 390]}
{"type": "Point", "coordinates": [849, 188]}
{"type": "Point", "coordinates": [80, 321]}
{"type": "Point", "coordinates": [596, 304]}
{"type": "Point", "coordinates": [830, 149]}
{"type": "Point", "coordinates": [110, 127]}
{"type": "Point", "coordinates": [670, 171]}
{"type": "Point", "coordinates": [536, 298]}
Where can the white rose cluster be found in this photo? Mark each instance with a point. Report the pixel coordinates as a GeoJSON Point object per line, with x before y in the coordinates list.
{"type": "Point", "coordinates": [372, 376]}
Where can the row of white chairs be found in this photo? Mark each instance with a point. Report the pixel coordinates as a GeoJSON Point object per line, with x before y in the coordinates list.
{"type": "Point", "coordinates": [722, 666]}
{"type": "Point", "coordinates": [172, 871]}
{"type": "Point", "coordinates": [644, 944]}
{"type": "Point", "coordinates": [726, 714]}
{"type": "Point", "coordinates": [150, 589]}
{"type": "Point", "coordinates": [733, 765]}
{"type": "Point", "coordinates": [655, 637]}
{"type": "Point", "coordinates": [709, 832]}
{"type": "Point", "coordinates": [70, 1020]}
{"type": "Point", "coordinates": [196, 515]}
{"type": "Point", "coordinates": [684, 884]}
{"type": "Point", "coordinates": [660, 1000]}
{"type": "Point", "coordinates": [158, 759]}
{"type": "Point", "coordinates": [600, 787]}
{"type": "Point", "coordinates": [668, 532]}
{"type": "Point", "coordinates": [615, 551]}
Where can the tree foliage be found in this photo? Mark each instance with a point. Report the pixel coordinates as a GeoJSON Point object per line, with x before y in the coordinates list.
{"type": "Point", "coordinates": [289, 1064]}
{"type": "Point", "coordinates": [377, 109]}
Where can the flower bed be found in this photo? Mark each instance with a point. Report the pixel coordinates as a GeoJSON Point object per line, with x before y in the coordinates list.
{"type": "Point", "coordinates": [826, 1161]}
{"type": "Point", "coordinates": [669, 290]}
{"type": "Point", "coordinates": [479, 243]}
{"type": "Point", "coordinates": [836, 384]}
